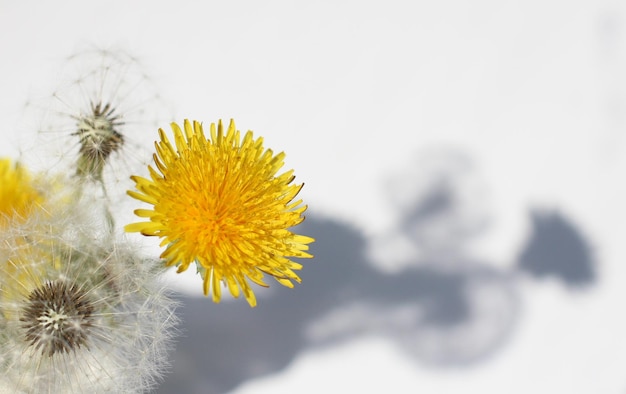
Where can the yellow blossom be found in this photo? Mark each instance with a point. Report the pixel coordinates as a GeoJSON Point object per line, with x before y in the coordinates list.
{"type": "Point", "coordinates": [17, 193]}
{"type": "Point", "coordinates": [219, 202]}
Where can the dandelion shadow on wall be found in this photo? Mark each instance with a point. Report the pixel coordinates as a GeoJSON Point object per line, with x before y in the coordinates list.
{"type": "Point", "coordinates": [445, 308]}
{"type": "Point", "coordinates": [463, 309]}
{"type": "Point", "coordinates": [224, 345]}
{"type": "Point", "coordinates": [557, 249]}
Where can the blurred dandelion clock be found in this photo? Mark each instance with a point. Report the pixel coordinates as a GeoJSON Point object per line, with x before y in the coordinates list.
{"type": "Point", "coordinates": [219, 202]}
{"type": "Point", "coordinates": [78, 313]}
{"type": "Point", "coordinates": [93, 121]}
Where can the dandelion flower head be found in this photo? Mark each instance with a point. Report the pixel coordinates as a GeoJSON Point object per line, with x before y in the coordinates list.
{"type": "Point", "coordinates": [220, 203]}
{"type": "Point", "coordinates": [18, 194]}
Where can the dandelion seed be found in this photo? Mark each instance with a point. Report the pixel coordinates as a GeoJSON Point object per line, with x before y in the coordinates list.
{"type": "Point", "coordinates": [219, 202]}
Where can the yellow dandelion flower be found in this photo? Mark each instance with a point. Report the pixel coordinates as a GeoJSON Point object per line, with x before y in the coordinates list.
{"type": "Point", "coordinates": [219, 202]}
{"type": "Point", "coordinates": [17, 193]}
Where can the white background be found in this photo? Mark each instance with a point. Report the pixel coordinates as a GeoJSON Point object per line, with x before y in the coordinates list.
{"type": "Point", "coordinates": [532, 93]}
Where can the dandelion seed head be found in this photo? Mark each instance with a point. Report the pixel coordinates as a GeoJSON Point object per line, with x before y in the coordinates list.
{"type": "Point", "coordinates": [94, 121]}
{"type": "Point", "coordinates": [98, 138]}
{"type": "Point", "coordinates": [57, 318]}
{"type": "Point", "coordinates": [79, 313]}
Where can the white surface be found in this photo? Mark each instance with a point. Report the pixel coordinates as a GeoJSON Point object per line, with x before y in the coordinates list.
{"type": "Point", "coordinates": [534, 93]}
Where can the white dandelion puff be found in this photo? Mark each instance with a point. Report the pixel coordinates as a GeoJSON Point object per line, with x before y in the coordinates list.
{"type": "Point", "coordinates": [78, 312]}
